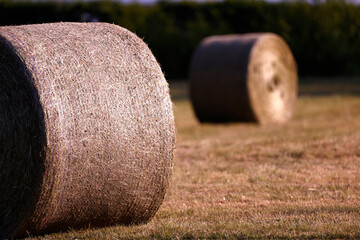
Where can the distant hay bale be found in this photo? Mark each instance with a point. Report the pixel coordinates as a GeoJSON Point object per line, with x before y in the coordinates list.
{"type": "Point", "coordinates": [87, 128]}
{"type": "Point", "coordinates": [249, 77]}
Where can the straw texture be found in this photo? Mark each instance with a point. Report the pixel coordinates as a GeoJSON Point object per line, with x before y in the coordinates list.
{"type": "Point", "coordinates": [87, 129]}
{"type": "Point", "coordinates": [249, 77]}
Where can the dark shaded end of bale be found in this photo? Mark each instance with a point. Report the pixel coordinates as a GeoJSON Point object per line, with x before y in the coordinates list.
{"type": "Point", "coordinates": [22, 141]}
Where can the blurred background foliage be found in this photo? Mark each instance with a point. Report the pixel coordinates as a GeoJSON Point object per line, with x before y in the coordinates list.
{"type": "Point", "coordinates": [324, 36]}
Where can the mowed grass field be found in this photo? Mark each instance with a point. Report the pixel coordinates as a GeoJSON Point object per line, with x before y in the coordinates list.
{"type": "Point", "coordinates": [243, 181]}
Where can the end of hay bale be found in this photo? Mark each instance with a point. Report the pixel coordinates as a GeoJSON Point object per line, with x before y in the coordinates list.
{"type": "Point", "coordinates": [22, 140]}
{"type": "Point", "coordinates": [272, 80]}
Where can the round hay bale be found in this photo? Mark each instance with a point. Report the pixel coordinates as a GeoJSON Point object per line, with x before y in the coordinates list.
{"type": "Point", "coordinates": [87, 128]}
{"type": "Point", "coordinates": [249, 77]}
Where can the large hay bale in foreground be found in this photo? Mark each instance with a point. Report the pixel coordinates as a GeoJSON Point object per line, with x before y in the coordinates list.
{"type": "Point", "coordinates": [87, 129]}
{"type": "Point", "coordinates": [249, 77]}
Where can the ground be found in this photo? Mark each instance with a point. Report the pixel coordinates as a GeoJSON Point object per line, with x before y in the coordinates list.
{"type": "Point", "coordinates": [241, 180]}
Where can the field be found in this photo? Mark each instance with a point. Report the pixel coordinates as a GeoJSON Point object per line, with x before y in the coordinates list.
{"type": "Point", "coordinates": [243, 181]}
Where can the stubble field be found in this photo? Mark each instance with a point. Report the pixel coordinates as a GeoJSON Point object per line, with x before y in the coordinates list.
{"type": "Point", "coordinates": [243, 181]}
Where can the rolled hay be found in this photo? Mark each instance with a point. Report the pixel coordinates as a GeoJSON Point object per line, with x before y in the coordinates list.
{"type": "Point", "coordinates": [87, 129]}
{"type": "Point", "coordinates": [249, 77]}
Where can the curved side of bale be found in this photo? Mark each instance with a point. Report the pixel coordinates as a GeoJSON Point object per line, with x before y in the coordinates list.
{"type": "Point", "coordinates": [228, 75]}
{"type": "Point", "coordinates": [99, 132]}
{"type": "Point", "coordinates": [218, 78]}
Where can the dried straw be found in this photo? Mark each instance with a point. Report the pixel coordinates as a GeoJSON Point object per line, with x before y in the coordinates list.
{"type": "Point", "coordinates": [87, 128]}
{"type": "Point", "coordinates": [249, 77]}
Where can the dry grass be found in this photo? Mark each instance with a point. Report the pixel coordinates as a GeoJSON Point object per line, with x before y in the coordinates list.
{"type": "Point", "coordinates": [234, 181]}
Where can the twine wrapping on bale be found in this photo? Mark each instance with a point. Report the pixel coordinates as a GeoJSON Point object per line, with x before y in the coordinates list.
{"type": "Point", "coordinates": [87, 129]}
{"type": "Point", "coordinates": [249, 77]}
